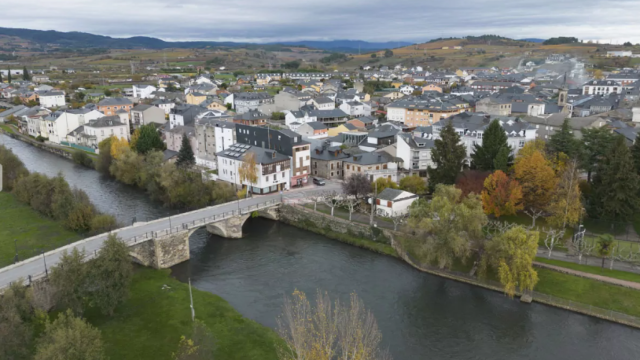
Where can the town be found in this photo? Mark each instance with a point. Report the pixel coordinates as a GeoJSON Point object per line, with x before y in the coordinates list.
{"type": "Point", "coordinates": [233, 166]}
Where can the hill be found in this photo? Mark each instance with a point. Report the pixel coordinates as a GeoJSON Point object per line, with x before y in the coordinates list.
{"type": "Point", "coordinates": [348, 45]}
{"type": "Point", "coordinates": [534, 40]}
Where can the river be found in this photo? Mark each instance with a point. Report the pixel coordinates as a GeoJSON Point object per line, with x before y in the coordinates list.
{"type": "Point", "coordinates": [421, 316]}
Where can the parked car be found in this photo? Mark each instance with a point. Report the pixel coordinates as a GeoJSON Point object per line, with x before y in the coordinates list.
{"type": "Point", "coordinates": [318, 181]}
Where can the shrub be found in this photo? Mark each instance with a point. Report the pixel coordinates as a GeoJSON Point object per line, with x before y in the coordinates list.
{"type": "Point", "coordinates": [82, 158]}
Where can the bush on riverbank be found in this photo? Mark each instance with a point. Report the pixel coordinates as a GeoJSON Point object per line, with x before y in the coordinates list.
{"type": "Point", "coordinates": [82, 158]}
{"type": "Point", "coordinates": [12, 168]}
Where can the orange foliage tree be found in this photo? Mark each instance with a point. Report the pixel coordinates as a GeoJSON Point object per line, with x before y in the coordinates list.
{"type": "Point", "coordinates": [501, 195]}
{"type": "Point", "coordinates": [537, 177]}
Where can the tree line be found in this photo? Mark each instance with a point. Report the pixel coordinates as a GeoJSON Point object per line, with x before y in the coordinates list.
{"type": "Point", "coordinates": [52, 197]}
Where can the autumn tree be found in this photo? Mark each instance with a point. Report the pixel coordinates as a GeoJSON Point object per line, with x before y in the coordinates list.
{"type": "Point", "coordinates": [328, 330]}
{"type": "Point", "coordinates": [448, 155]}
{"type": "Point", "coordinates": [357, 185]}
{"type": "Point", "coordinates": [501, 195]}
{"type": "Point", "coordinates": [134, 139]}
{"type": "Point", "coordinates": [126, 167]}
{"type": "Point", "coordinates": [494, 149]}
{"type": "Point", "coordinates": [615, 185]}
{"type": "Point", "coordinates": [69, 278]}
{"type": "Point", "coordinates": [382, 183]}
{"type": "Point", "coordinates": [118, 147]}
{"type": "Point", "coordinates": [471, 181]}
{"type": "Point", "coordinates": [537, 178]}
{"type": "Point", "coordinates": [70, 338]}
{"type": "Point", "coordinates": [448, 223]}
{"type": "Point", "coordinates": [413, 184]}
{"type": "Point", "coordinates": [564, 142]}
{"type": "Point", "coordinates": [512, 254]}
{"type": "Point", "coordinates": [565, 207]}
{"type": "Point", "coordinates": [248, 170]}
{"type": "Point", "coordinates": [111, 275]}
{"type": "Point", "coordinates": [596, 142]}
{"type": "Point", "coordinates": [185, 155]}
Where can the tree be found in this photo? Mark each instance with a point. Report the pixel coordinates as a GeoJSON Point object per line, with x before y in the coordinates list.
{"type": "Point", "coordinates": [635, 153]}
{"type": "Point", "coordinates": [382, 183]}
{"type": "Point", "coordinates": [616, 185]}
{"type": "Point", "coordinates": [388, 53]}
{"type": "Point", "coordinates": [69, 338]}
{"type": "Point", "coordinates": [149, 140]}
{"type": "Point", "coordinates": [605, 246]}
{"type": "Point", "coordinates": [537, 178]}
{"type": "Point", "coordinates": [103, 223]}
{"type": "Point", "coordinates": [103, 162]}
{"type": "Point", "coordinates": [501, 195]}
{"type": "Point", "coordinates": [446, 240]}
{"type": "Point", "coordinates": [332, 200]}
{"type": "Point", "coordinates": [564, 142]}
{"type": "Point", "coordinates": [107, 92]}
{"type": "Point", "coordinates": [1, 78]}
{"type": "Point", "coordinates": [222, 192]}
{"type": "Point", "coordinates": [12, 168]}
{"type": "Point", "coordinates": [552, 238]}
{"type": "Point", "coordinates": [352, 205]}
{"type": "Point", "coordinates": [565, 207]}
{"type": "Point", "coordinates": [493, 149]}
{"type": "Point", "coordinates": [185, 155]}
{"type": "Point", "coordinates": [627, 43]}
{"type": "Point", "coordinates": [199, 346]}
{"type": "Point", "coordinates": [16, 330]}
{"type": "Point", "coordinates": [512, 254]}
{"type": "Point", "coordinates": [448, 155]}
{"type": "Point", "coordinates": [126, 168]}
{"type": "Point", "coordinates": [596, 142]}
{"type": "Point", "coordinates": [9, 76]}
{"type": "Point", "coordinates": [374, 55]}
{"type": "Point", "coordinates": [118, 147]}
{"type": "Point", "coordinates": [413, 184]}
{"type": "Point", "coordinates": [471, 181]}
{"type": "Point", "coordinates": [248, 171]}
{"type": "Point", "coordinates": [69, 278]}
{"type": "Point", "coordinates": [328, 330]}
{"type": "Point", "coordinates": [111, 275]}
{"type": "Point", "coordinates": [134, 139]}
{"type": "Point", "coordinates": [357, 185]}
{"type": "Point", "coordinates": [25, 74]}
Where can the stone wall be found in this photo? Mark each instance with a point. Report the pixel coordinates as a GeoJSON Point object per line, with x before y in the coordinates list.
{"type": "Point", "coordinates": [164, 251]}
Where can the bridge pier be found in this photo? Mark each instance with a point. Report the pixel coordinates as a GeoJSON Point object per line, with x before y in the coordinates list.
{"type": "Point", "coordinates": [163, 251]}
{"type": "Point", "coordinates": [230, 228]}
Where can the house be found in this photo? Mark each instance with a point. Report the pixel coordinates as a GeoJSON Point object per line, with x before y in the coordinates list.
{"type": "Point", "coordinates": [251, 117]}
{"type": "Point", "coordinates": [374, 165]}
{"type": "Point", "coordinates": [407, 89]}
{"type": "Point", "coordinates": [143, 91]}
{"type": "Point", "coordinates": [213, 104]}
{"type": "Point", "coordinates": [432, 87]}
{"type": "Point", "coordinates": [494, 106]}
{"type": "Point", "coordinates": [555, 58]}
{"type": "Point", "coordinates": [326, 162]}
{"type": "Point", "coordinates": [334, 131]}
{"type": "Point", "coordinates": [490, 86]}
{"type": "Point", "coordinates": [184, 115]}
{"type": "Point", "coordinates": [393, 202]}
{"type": "Point", "coordinates": [164, 105]}
{"type": "Point", "coordinates": [173, 137]}
{"type": "Point", "coordinates": [39, 79]}
{"type": "Point", "coordinates": [243, 102]}
{"type": "Point", "coordinates": [426, 112]}
{"type": "Point", "coordinates": [65, 121]}
{"type": "Point", "coordinates": [382, 135]}
{"type": "Point", "coordinates": [286, 142]}
{"type": "Point", "coordinates": [273, 169]}
{"type": "Point", "coordinates": [212, 137]}
{"type": "Point", "coordinates": [289, 99]}
{"type": "Point", "coordinates": [415, 153]}
{"type": "Point", "coordinates": [93, 132]}
{"type": "Point", "coordinates": [313, 130]}
{"type": "Point", "coordinates": [195, 98]}
{"type": "Point", "coordinates": [323, 103]}
{"type": "Point", "coordinates": [109, 106]}
{"type": "Point", "coordinates": [145, 114]}
{"type": "Point", "coordinates": [14, 111]}
{"type": "Point", "coordinates": [364, 122]}
{"type": "Point", "coordinates": [356, 108]}
{"type": "Point", "coordinates": [601, 87]}
{"type": "Point", "coordinates": [545, 127]}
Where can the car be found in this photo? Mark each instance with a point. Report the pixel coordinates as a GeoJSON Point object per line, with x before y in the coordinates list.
{"type": "Point", "coordinates": [319, 181]}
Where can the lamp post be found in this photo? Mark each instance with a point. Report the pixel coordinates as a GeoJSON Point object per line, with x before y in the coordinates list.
{"type": "Point", "coordinates": [15, 244]}
{"type": "Point", "coordinates": [44, 258]}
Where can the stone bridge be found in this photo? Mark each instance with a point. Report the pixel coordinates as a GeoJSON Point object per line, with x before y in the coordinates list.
{"type": "Point", "coordinates": [165, 248]}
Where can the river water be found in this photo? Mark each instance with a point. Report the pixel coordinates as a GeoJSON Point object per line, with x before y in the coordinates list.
{"type": "Point", "coordinates": [421, 316]}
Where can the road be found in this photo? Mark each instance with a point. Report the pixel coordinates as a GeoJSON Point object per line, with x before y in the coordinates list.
{"type": "Point", "coordinates": [39, 265]}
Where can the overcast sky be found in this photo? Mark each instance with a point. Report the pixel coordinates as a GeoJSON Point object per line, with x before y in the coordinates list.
{"type": "Point", "coordinates": [371, 20]}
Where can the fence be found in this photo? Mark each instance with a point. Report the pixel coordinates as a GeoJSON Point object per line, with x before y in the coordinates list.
{"type": "Point", "coordinates": [183, 226]}
{"type": "Point", "coordinates": [620, 230]}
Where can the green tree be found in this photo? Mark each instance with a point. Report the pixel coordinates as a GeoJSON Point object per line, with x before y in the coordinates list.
{"type": "Point", "coordinates": [222, 192]}
{"type": "Point", "coordinates": [149, 140]}
{"type": "Point", "coordinates": [111, 275]}
{"type": "Point", "coordinates": [382, 183]}
{"type": "Point", "coordinates": [615, 185]}
{"type": "Point", "coordinates": [388, 53]}
{"type": "Point", "coordinates": [511, 254]}
{"type": "Point", "coordinates": [107, 92]}
{"type": "Point", "coordinates": [9, 76]}
{"type": "Point", "coordinates": [1, 78]}
{"type": "Point", "coordinates": [25, 74]}
{"type": "Point", "coordinates": [414, 184]}
{"type": "Point", "coordinates": [448, 155]}
{"type": "Point", "coordinates": [564, 142]}
{"type": "Point", "coordinates": [493, 149]}
{"type": "Point", "coordinates": [185, 155]}
{"type": "Point", "coordinates": [448, 224]}
{"type": "Point", "coordinates": [69, 338]}
{"type": "Point", "coordinates": [374, 55]}
{"type": "Point", "coordinates": [635, 154]}
{"type": "Point", "coordinates": [596, 144]}
{"type": "Point", "coordinates": [16, 330]}
{"type": "Point", "coordinates": [12, 168]}
{"type": "Point", "coordinates": [103, 162]}
{"type": "Point", "coordinates": [605, 246]}
{"type": "Point", "coordinates": [103, 223]}
{"type": "Point", "coordinates": [199, 346]}
{"type": "Point", "coordinates": [69, 278]}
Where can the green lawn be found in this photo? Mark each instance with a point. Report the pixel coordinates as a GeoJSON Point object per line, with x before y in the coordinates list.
{"type": "Point", "coordinates": [617, 274]}
{"type": "Point", "coordinates": [7, 128]}
{"type": "Point", "coordinates": [589, 292]}
{"type": "Point", "coordinates": [150, 323]}
{"type": "Point", "coordinates": [32, 230]}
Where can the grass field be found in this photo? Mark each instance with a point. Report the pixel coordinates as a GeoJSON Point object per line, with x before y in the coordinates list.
{"type": "Point", "coordinates": [32, 231]}
{"type": "Point", "coordinates": [616, 274]}
{"type": "Point", "coordinates": [149, 324]}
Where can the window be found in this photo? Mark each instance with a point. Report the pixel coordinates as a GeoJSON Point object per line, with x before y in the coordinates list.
{"type": "Point", "coordinates": [521, 143]}
{"type": "Point", "coordinates": [283, 175]}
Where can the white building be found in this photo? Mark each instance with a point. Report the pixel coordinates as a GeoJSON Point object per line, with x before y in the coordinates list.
{"type": "Point", "coordinates": [272, 168]}
{"type": "Point", "coordinates": [51, 99]}
{"type": "Point", "coordinates": [213, 136]}
{"type": "Point", "coordinates": [165, 105]}
{"type": "Point", "coordinates": [324, 103]}
{"type": "Point", "coordinates": [393, 202]}
{"type": "Point", "coordinates": [356, 108]}
{"type": "Point", "coordinates": [601, 87]}
{"type": "Point", "coordinates": [415, 153]}
{"type": "Point", "coordinates": [63, 123]}
{"type": "Point", "coordinates": [143, 91]}
{"type": "Point", "coordinates": [619, 53]}
{"type": "Point", "coordinates": [93, 132]}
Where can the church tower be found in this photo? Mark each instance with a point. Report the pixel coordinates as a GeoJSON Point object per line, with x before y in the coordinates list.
{"type": "Point", "coordinates": [563, 93]}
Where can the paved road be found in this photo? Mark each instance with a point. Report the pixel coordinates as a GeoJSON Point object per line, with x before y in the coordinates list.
{"type": "Point", "coordinates": [588, 260]}
{"type": "Point", "coordinates": [35, 266]}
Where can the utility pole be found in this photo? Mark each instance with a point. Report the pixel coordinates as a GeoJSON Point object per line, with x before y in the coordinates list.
{"type": "Point", "coordinates": [193, 311]}
{"type": "Point", "coordinates": [15, 243]}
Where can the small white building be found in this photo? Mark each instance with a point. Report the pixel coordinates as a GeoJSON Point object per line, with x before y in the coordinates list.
{"type": "Point", "coordinates": [93, 132]}
{"type": "Point", "coordinates": [165, 105]}
{"type": "Point", "coordinates": [273, 169]}
{"type": "Point", "coordinates": [63, 123]}
{"type": "Point", "coordinates": [415, 152]}
{"type": "Point", "coordinates": [394, 202]}
{"type": "Point", "coordinates": [51, 99]}
{"type": "Point", "coordinates": [144, 91]}
{"type": "Point", "coordinates": [356, 108]}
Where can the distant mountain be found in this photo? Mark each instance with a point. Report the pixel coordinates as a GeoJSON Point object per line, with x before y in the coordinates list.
{"type": "Point", "coordinates": [534, 40]}
{"type": "Point", "coordinates": [86, 40]}
{"type": "Point", "coordinates": [348, 45]}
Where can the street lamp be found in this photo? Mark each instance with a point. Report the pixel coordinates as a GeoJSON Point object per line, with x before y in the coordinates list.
{"type": "Point", "coordinates": [15, 244]}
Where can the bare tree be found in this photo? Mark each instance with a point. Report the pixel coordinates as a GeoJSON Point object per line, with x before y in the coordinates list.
{"type": "Point", "coordinates": [533, 214]}
{"type": "Point", "coordinates": [352, 204]}
{"type": "Point", "coordinates": [398, 218]}
{"type": "Point", "coordinates": [579, 245]}
{"type": "Point", "coordinates": [329, 330]}
{"type": "Point", "coordinates": [552, 238]}
{"type": "Point", "coordinates": [332, 200]}
{"type": "Point", "coordinates": [356, 184]}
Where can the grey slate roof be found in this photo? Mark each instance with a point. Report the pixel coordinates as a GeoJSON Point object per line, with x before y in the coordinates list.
{"type": "Point", "coordinates": [316, 125]}
{"type": "Point", "coordinates": [141, 107]}
{"type": "Point", "coordinates": [114, 101]}
{"type": "Point", "coordinates": [263, 156]}
{"type": "Point", "coordinates": [106, 121]}
{"type": "Point", "coordinates": [370, 158]}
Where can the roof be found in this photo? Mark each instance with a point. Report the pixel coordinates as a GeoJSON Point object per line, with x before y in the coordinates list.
{"type": "Point", "coordinates": [106, 121]}
{"type": "Point", "coordinates": [51, 93]}
{"type": "Point", "coordinates": [323, 100]}
{"type": "Point", "coordinates": [250, 115]}
{"type": "Point", "coordinates": [316, 125]}
{"type": "Point", "coordinates": [263, 156]}
{"type": "Point", "coordinates": [369, 158]}
{"type": "Point", "coordinates": [390, 194]}
{"type": "Point", "coordinates": [141, 107]}
{"type": "Point", "coordinates": [114, 101]}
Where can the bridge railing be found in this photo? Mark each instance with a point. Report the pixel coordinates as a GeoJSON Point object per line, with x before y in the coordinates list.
{"type": "Point", "coordinates": [184, 226]}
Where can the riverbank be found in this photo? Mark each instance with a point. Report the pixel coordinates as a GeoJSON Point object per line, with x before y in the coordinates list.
{"type": "Point", "coordinates": [149, 324]}
{"type": "Point", "coordinates": [26, 229]}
